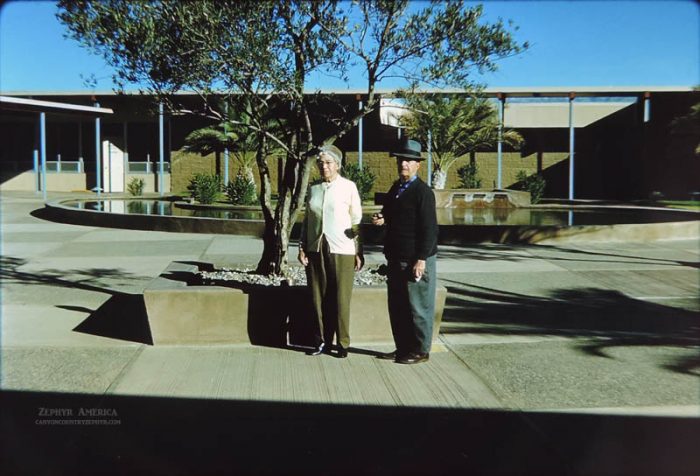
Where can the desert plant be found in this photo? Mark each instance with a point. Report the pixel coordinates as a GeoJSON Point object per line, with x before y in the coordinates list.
{"type": "Point", "coordinates": [241, 191]}
{"type": "Point", "coordinates": [204, 187]}
{"type": "Point", "coordinates": [135, 186]}
{"type": "Point", "coordinates": [469, 176]}
{"type": "Point", "coordinates": [534, 184]}
{"type": "Point", "coordinates": [363, 178]}
{"type": "Point", "coordinates": [454, 125]}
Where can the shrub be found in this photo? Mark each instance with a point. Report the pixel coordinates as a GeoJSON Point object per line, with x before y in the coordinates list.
{"type": "Point", "coordinates": [204, 187]}
{"type": "Point", "coordinates": [469, 176]}
{"type": "Point", "coordinates": [364, 179]}
{"type": "Point", "coordinates": [135, 186]}
{"type": "Point", "coordinates": [241, 191]}
{"type": "Point", "coordinates": [534, 184]}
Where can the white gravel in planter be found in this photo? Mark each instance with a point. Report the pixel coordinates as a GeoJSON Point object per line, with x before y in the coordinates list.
{"type": "Point", "coordinates": [295, 276]}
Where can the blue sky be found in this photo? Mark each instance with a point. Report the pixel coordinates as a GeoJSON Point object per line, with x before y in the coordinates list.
{"type": "Point", "coordinates": [573, 43]}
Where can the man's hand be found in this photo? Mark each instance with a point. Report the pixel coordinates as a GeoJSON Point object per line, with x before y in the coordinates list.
{"type": "Point", "coordinates": [419, 269]}
{"type": "Point", "coordinates": [303, 259]}
{"type": "Point", "coordinates": [377, 219]}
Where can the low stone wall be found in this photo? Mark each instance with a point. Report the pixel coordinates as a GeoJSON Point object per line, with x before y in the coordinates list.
{"type": "Point", "coordinates": [55, 182]}
{"type": "Point", "coordinates": [182, 312]}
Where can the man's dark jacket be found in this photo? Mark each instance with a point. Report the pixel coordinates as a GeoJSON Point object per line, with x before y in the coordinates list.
{"type": "Point", "coordinates": [411, 222]}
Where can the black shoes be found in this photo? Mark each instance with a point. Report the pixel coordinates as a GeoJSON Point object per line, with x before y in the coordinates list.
{"type": "Point", "coordinates": [342, 352]}
{"type": "Point", "coordinates": [413, 358]}
{"type": "Point", "coordinates": [389, 356]}
{"type": "Point", "coordinates": [318, 350]}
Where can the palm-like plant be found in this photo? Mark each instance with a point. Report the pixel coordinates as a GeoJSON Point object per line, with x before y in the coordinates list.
{"type": "Point", "coordinates": [454, 125]}
{"type": "Point", "coordinates": [232, 135]}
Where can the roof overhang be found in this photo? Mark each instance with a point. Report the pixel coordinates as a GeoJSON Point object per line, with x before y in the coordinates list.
{"type": "Point", "coordinates": [493, 91]}
{"type": "Point", "coordinates": [34, 105]}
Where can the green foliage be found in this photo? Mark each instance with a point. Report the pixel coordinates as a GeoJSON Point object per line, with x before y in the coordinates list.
{"type": "Point", "coordinates": [249, 48]}
{"type": "Point", "coordinates": [469, 176]}
{"type": "Point", "coordinates": [241, 191]}
{"type": "Point", "coordinates": [689, 124]}
{"type": "Point", "coordinates": [204, 187]}
{"type": "Point", "coordinates": [364, 179]}
{"type": "Point", "coordinates": [135, 186]}
{"type": "Point", "coordinates": [535, 184]}
{"type": "Point", "coordinates": [454, 125]}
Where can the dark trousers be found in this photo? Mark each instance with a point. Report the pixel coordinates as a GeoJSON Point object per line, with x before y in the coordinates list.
{"type": "Point", "coordinates": [411, 305]}
{"type": "Point", "coordinates": [330, 277]}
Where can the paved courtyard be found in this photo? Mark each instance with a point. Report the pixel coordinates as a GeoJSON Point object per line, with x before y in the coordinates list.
{"type": "Point", "coordinates": [552, 359]}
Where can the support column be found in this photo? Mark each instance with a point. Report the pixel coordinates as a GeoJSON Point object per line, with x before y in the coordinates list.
{"type": "Point", "coordinates": [226, 153]}
{"type": "Point", "coordinates": [647, 107]}
{"type": "Point", "coordinates": [572, 96]}
{"type": "Point", "coordinates": [35, 156]}
{"type": "Point", "coordinates": [80, 141]}
{"type": "Point", "coordinates": [125, 135]}
{"type": "Point", "coordinates": [501, 107]}
{"type": "Point", "coordinates": [98, 153]}
{"type": "Point", "coordinates": [42, 149]}
{"type": "Point", "coordinates": [160, 148]}
{"type": "Point", "coordinates": [430, 158]}
{"type": "Point", "coordinates": [359, 133]}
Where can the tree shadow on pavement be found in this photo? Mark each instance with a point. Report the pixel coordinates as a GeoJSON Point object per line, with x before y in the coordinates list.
{"type": "Point", "coordinates": [554, 254]}
{"type": "Point", "coordinates": [609, 318]}
{"type": "Point", "coordinates": [122, 316]}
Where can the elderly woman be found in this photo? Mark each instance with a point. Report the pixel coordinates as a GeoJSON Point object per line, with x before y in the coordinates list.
{"type": "Point", "coordinates": [330, 252]}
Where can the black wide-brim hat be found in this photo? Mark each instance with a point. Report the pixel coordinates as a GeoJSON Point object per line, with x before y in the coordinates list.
{"type": "Point", "coordinates": [407, 149]}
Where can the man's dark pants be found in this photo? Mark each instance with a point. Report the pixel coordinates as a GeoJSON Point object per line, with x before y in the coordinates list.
{"type": "Point", "coordinates": [411, 305]}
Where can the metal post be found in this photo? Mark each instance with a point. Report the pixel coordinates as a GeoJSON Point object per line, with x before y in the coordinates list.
{"type": "Point", "coordinates": [80, 141]}
{"type": "Point", "coordinates": [37, 172]}
{"type": "Point", "coordinates": [125, 134]}
{"type": "Point", "coordinates": [647, 106]}
{"type": "Point", "coordinates": [359, 134]}
{"type": "Point", "coordinates": [42, 148]}
{"type": "Point", "coordinates": [98, 164]}
{"type": "Point", "coordinates": [35, 154]}
{"type": "Point", "coordinates": [160, 148]}
{"type": "Point", "coordinates": [501, 107]}
{"type": "Point", "coordinates": [58, 163]}
{"type": "Point", "coordinates": [572, 96]}
{"type": "Point", "coordinates": [430, 158]}
{"type": "Point", "coordinates": [226, 156]}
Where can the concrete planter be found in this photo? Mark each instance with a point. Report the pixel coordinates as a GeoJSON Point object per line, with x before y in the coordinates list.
{"type": "Point", "coordinates": [182, 312]}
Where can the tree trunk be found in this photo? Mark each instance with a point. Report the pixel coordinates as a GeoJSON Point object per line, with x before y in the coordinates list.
{"type": "Point", "coordinates": [439, 179]}
{"type": "Point", "coordinates": [278, 228]}
{"type": "Point", "coordinates": [247, 173]}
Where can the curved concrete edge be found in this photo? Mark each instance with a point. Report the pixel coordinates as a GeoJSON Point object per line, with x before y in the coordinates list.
{"type": "Point", "coordinates": [183, 313]}
{"type": "Point", "coordinates": [448, 234]}
{"type": "Point", "coordinates": [635, 232]}
{"type": "Point", "coordinates": [59, 212]}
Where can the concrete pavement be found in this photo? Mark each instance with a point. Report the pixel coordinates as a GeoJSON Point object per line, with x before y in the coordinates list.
{"type": "Point", "coordinates": [535, 339]}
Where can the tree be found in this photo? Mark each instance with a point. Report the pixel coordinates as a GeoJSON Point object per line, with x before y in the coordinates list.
{"type": "Point", "coordinates": [689, 124]}
{"type": "Point", "coordinates": [233, 134]}
{"type": "Point", "coordinates": [268, 50]}
{"type": "Point", "coordinates": [454, 125]}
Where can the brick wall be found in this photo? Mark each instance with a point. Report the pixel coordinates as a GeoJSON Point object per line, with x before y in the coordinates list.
{"type": "Point", "coordinates": [185, 165]}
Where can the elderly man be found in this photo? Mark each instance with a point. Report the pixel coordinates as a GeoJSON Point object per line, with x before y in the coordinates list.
{"type": "Point", "coordinates": [330, 251]}
{"type": "Point", "coordinates": [410, 248]}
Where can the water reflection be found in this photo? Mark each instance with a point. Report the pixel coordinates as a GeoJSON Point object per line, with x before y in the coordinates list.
{"type": "Point", "coordinates": [446, 216]}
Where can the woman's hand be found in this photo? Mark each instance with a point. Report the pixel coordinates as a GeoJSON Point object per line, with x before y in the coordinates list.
{"type": "Point", "coordinates": [359, 262]}
{"type": "Point", "coordinates": [303, 259]}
